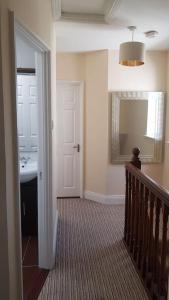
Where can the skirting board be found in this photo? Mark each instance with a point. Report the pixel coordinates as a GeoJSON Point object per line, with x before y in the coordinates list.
{"type": "Point", "coordinates": [105, 199]}
{"type": "Point", "coordinates": [55, 239]}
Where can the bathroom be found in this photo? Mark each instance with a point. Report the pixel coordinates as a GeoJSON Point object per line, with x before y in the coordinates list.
{"type": "Point", "coordinates": [28, 140]}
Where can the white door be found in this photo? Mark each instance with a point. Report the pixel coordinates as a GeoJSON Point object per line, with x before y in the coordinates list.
{"type": "Point", "coordinates": [27, 112]}
{"type": "Point", "coordinates": [69, 139]}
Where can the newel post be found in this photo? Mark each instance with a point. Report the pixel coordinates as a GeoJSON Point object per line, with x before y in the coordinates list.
{"type": "Point", "coordinates": [135, 158]}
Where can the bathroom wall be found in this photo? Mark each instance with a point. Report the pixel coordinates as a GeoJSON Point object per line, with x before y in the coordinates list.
{"type": "Point", "coordinates": [25, 55]}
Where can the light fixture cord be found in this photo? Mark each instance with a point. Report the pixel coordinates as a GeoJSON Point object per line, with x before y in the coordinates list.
{"type": "Point", "coordinates": [132, 35]}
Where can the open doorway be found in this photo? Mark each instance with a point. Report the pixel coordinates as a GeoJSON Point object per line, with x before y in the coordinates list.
{"type": "Point", "coordinates": [34, 157]}
{"type": "Point", "coordinates": [28, 147]}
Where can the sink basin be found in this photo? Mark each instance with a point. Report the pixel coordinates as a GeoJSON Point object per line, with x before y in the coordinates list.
{"type": "Point", "coordinates": [28, 171]}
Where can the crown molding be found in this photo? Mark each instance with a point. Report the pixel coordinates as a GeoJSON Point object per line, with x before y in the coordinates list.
{"type": "Point", "coordinates": [56, 9]}
{"type": "Point", "coordinates": [110, 9]}
{"type": "Point", "coordinates": [91, 18]}
{"type": "Point", "coordinates": [109, 12]}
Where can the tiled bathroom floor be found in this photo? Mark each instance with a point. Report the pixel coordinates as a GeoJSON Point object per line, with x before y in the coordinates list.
{"type": "Point", "coordinates": [33, 276]}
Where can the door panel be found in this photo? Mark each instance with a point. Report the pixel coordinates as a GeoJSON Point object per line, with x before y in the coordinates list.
{"type": "Point", "coordinates": [27, 105]}
{"type": "Point", "coordinates": [68, 96]}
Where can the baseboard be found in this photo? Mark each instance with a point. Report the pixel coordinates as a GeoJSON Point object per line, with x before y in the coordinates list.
{"type": "Point", "coordinates": [105, 199]}
{"type": "Point", "coordinates": [55, 238]}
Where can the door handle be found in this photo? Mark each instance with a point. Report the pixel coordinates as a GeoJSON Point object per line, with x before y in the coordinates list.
{"type": "Point", "coordinates": [77, 147]}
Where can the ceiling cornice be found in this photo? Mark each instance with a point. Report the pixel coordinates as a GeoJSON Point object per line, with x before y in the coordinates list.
{"type": "Point", "coordinates": [91, 18]}
{"type": "Point", "coordinates": [109, 13]}
{"type": "Point", "coordinates": [110, 9]}
{"type": "Point", "coordinates": [56, 9]}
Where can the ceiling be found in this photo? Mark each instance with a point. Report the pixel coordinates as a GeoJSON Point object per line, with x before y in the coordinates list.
{"type": "Point", "coordinates": [101, 24]}
{"type": "Point", "coordinates": [86, 7]}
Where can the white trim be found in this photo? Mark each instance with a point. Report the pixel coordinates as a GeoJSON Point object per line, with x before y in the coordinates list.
{"type": "Point", "coordinates": [10, 286]}
{"type": "Point", "coordinates": [56, 9]}
{"type": "Point", "coordinates": [81, 138]}
{"type": "Point", "coordinates": [117, 96]}
{"type": "Point", "coordinates": [33, 38]}
{"type": "Point", "coordinates": [110, 10]}
{"type": "Point", "coordinates": [107, 16]}
{"type": "Point", "coordinates": [89, 18]}
{"type": "Point", "coordinates": [55, 238]}
{"type": "Point", "coordinates": [105, 199]}
{"type": "Point", "coordinates": [45, 208]}
{"type": "Point", "coordinates": [81, 85]}
{"type": "Point", "coordinates": [16, 181]}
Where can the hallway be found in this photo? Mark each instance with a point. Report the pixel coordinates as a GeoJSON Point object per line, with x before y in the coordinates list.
{"type": "Point", "coordinates": [92, 262]}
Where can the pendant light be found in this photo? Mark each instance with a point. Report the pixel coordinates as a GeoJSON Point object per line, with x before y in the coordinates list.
{"type": "Point", "coordinates": [132, 53]}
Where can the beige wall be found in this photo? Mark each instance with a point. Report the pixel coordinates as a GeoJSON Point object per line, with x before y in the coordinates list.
{"type": "Point", "coordinates": [92, 67]}
{"type": "Point", "coordinates": [37, 16]}
{"type": "Point", "coordinates": [96, 122]}
{"type": "Point", "coordinates": [103, 74]}
{"type": "Point", "coordinates": [166, 151]}
{"type": "Point", "coordinates": [70, 66]}
{"type": "Point", "coordinates": [150, 77]}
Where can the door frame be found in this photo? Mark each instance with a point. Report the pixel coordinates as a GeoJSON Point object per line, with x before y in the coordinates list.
{"type": "Point", "coordinates": [81, 86]}
{"type": "Point", "coordinates": [45, 210]}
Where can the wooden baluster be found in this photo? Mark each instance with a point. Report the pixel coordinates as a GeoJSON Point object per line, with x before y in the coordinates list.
{"type": "Point", "coordinates": [126, 229]}
{"type": "Point", "coordinates": [156, 249]}
{"type": "Point", "coordinates": [132, 215]}
{"type": "Point", "coordinates": [145, 236]}
{"type": "Point", "coordinates": [129, 210]}
{"type": "Point", "coordinates": [163, 279]}
{"type": "Point", "coordinates": [150, 238]}
{"type": "Point", "coordinates": [137, 195]}
{"type": "Point", "coordinates": [140, 230]}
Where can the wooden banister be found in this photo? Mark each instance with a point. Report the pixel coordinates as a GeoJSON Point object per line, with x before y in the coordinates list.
{"type": "Point", "coordinates": [158, 190]}
{"type": "Point", "coordinates": [146, 227]}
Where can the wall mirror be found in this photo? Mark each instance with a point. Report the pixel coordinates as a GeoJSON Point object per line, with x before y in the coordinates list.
{"type": "Point", "coordinates": [137, 121]}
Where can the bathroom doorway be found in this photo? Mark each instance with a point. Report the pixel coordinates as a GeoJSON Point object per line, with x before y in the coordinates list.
{"type": "Point", "coordinates": [34, 155]}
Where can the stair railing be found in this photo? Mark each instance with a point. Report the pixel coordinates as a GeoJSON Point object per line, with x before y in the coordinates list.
{"type": "Point", "coordinates": [146, 228]}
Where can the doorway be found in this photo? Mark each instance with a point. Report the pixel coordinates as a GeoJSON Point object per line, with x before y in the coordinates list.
{"type": "Point", "coordinates": [33, 104]}
{"type": "Point", "coordinates": [70, 138]}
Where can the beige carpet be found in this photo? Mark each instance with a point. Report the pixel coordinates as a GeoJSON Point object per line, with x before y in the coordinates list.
{"type": "Point", "coordinates": [92, 261]}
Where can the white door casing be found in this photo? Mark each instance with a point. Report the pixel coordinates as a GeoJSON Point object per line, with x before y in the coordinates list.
{"type": "Point", "coordinates": [70, 138]}
{"type": "Point", "coordinates": [47, 217]}
{"type": "Point", "coordinates": [27, 112]}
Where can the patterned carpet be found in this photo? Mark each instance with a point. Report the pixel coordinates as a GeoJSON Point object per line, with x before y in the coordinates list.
{"type": "Point", "coordinates": [92, 262]}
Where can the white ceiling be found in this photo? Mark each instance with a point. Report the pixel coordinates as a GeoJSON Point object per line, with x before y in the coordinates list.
{"type": "Point", "coordinates": [75, 35]}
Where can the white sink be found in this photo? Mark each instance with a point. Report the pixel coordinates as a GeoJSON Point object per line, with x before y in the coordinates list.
{"type": "Point", "coordinates": [28, 171]}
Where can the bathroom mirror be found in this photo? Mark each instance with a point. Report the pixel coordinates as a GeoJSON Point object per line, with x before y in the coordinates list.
{"type": "Point", "coordinates": [137, 121]}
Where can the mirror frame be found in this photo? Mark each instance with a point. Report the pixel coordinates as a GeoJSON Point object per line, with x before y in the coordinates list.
{"type": "Point", "coordinates": [157, 156]}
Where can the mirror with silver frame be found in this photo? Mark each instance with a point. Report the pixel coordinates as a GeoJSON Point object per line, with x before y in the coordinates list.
{"type": "Point", "coordinates": [137, 121]}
